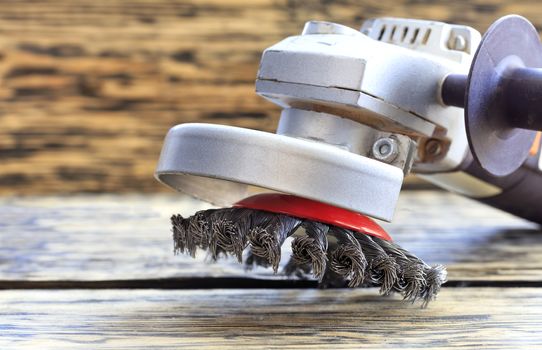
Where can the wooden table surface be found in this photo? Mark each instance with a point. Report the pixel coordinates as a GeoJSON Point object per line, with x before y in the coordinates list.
{"type": "Point", "coordinates": [98, 271]}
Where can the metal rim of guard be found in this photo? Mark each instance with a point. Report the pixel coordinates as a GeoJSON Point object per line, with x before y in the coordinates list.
{"type": "Point", "coordinates": [216, 163]}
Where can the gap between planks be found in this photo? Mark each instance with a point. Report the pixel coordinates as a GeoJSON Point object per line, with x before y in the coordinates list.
{"type": "Point", "coordinates": [203, 283]}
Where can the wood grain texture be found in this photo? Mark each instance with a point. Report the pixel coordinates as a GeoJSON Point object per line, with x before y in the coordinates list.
{"type": "Point", "coordinates": [88, 89]}
{"type": "Point", "coordinates": [108, 237]}
{"type": "Point", "coordinates": [291, 319]}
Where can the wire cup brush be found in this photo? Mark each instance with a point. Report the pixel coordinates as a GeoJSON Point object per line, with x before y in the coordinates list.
{"type": "Point", "coordinates": [339, 247]}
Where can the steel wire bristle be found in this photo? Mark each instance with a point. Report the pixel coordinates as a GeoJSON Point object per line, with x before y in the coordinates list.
{"type": "Point", "coordinates": [383, 270]}
{"type": "Point", "coordinates": [190, 233]}
{"type": "Point", "coordinates": [229, 232]}
{"type": "Point", "coordinates": [347, 258]}
{"type": "Point", "coordinates": [199, 230]}
{"type": "Point", "coordinates": [266, 239]}
{"type": "Point", "coordinates": [418, 280]}
{"type": "Point", "coordinates": [435, 277]}
{"type": "Point", "coordinates": [414, 277]}
{"type": "Point", "coordinates": [310, 249]}
{"type": "Point", "coordinates": [180, 228]}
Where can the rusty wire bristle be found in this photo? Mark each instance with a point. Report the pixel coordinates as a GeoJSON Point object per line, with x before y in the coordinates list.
{"type": "Point", "coordinates": [336, 257]}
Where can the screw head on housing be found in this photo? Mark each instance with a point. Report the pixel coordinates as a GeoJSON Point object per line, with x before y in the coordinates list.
{"type": "Point", "coordinates": [385, 149]}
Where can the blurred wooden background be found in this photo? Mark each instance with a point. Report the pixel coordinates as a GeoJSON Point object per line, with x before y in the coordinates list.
{"type": "Point", "coordinates": [88, 89]}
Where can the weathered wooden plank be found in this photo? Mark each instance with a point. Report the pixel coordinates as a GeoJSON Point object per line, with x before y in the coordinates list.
{"type": "Point", "coordinates": [105, 237]}
{"type": "Point", "coordinates": [215, 319]}
{"type": "Point", "coordinates": [88, 89]}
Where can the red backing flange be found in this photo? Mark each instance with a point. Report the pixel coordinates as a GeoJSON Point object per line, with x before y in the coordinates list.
{"type": "Point", "coordinates": [312, 210]}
